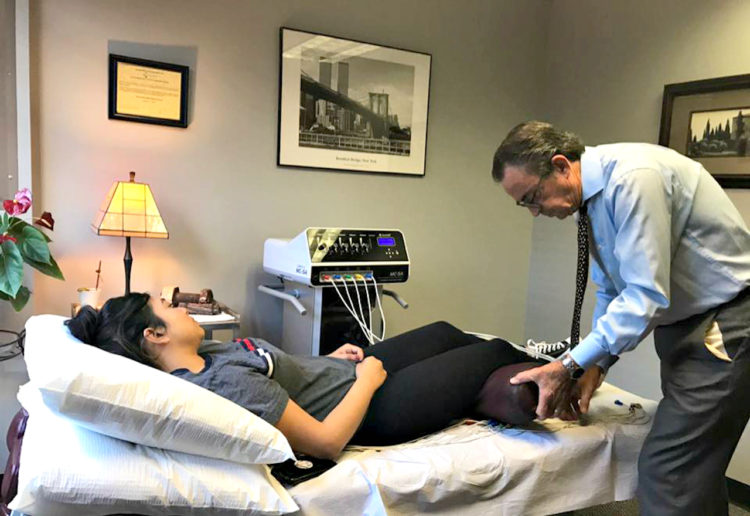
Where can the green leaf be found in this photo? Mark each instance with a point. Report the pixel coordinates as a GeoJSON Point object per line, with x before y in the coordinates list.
{"type": "Point", "coordinates": [17, 226]}
{"type": "Point", "coordinates": [4, 223]}
{"type": "Point", "coordinates": [21, 299]}
{"type": "Point", "coordinates": [33, 245]}
{"type": "Point", "coordinates": [50, 269]}
{"type": "Point", "coordinates": [11, 268]}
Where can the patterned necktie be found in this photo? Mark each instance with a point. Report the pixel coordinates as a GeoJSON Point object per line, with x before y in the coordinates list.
{"type": "Point", "coordinates": [582, 274]}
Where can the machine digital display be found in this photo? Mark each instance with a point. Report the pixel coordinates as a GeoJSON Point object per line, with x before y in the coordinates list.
{"type": "Point", "coordinates": [386, 241]}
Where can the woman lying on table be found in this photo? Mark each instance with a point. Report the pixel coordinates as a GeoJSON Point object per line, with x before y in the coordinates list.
{"type": "Point", "coordinates": [400, 389]}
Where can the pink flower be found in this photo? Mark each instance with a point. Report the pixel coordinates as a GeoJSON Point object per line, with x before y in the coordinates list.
{"type": "Point", "coordinates": [20, 204]}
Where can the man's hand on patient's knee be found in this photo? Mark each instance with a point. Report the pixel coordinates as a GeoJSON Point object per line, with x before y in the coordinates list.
{"type": "Point", "coordinates": [585, 387]}
{"type": "Point", "coordinates": [555, 390]}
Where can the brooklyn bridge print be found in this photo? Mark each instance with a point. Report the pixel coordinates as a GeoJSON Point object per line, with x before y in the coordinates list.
{"type": "Point", "coordinates": [354, 103]}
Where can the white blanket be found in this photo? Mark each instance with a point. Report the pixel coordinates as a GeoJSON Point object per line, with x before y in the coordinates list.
{"type": "Point", "coordinates": [546, 468]}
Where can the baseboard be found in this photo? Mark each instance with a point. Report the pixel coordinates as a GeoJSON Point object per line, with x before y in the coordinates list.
{"type": "Point", "coordinates": [739, 493]}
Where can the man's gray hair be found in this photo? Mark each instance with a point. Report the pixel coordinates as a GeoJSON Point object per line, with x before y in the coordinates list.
{"type": "Point", "coordinates": [531, 145]}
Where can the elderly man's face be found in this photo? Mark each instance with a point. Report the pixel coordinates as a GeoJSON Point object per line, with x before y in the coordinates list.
{"type": "Point", "coordinates": [557, 194]}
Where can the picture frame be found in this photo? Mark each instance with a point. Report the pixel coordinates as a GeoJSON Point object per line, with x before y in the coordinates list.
{"type": "Point", "coordinates": [709, 121]}
{"type": "Point", "coordinates": [148, 92]}
{"type": "Point", "coordinates": [348, 105]}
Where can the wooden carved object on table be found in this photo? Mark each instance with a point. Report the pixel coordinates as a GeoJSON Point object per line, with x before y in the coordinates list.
{"type": "Point", "coordinates": [202, 303]}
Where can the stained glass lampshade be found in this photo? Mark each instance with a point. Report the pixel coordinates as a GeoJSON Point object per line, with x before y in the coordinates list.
{"type": "Point", "coordinates": [129, 210]}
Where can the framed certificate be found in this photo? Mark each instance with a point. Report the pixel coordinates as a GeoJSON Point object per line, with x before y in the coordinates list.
{"type": "Point", "coordinates": [147, 91]}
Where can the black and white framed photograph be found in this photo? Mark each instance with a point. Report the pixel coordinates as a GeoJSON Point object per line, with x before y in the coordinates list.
{"type": "Point", "coordinates": [719, 133]}
{"type": "Point", "coordinates": [709, 121]}
{"type": "Point", "coordinates": [350, 105]}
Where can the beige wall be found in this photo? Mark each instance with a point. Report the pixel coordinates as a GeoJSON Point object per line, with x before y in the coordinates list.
{"type": "Point", "coordinates": [607, 66]}
{"type": "Point", "coordinates": [217, 183]}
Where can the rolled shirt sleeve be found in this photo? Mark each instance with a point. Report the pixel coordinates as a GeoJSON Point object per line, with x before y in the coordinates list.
{"type": "Point", "coordinates": [605, 293]}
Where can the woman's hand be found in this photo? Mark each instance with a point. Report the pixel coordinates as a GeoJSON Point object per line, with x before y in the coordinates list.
{"type": "Point", "coordinates": [371, 372]}
{"type": "Point", "coordinates": [349, 352]}
{"type": "Point", "coordinates": [326, 439]}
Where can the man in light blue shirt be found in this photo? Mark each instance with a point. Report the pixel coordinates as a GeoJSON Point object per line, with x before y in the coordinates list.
{"type": "Point", "coordinates": [671, 253]}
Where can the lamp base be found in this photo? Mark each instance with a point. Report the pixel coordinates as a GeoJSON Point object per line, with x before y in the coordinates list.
{"type": "Point", "coordinates": [128, 265]}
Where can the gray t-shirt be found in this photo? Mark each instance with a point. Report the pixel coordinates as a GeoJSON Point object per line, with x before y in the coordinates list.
{"type": "Point", "coordinates": [262, 378]}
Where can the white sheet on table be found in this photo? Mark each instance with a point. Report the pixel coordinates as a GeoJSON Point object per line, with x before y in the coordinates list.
{"type": "Point", "coordinates": [549, 468]}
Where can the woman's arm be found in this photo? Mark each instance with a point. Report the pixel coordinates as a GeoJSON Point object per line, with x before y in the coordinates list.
{"type": "Point", "coordinates": [326, 439]}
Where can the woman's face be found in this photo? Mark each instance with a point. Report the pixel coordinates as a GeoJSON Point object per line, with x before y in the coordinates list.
{"type": "Point", "coordinates": [181, 328]}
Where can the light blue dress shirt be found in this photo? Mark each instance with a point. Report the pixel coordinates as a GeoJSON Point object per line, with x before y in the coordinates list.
{"type": "Point", "coordinates": [667, 243]}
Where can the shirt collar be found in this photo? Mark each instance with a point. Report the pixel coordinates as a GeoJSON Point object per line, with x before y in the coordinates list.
{"type": "Point", "coordinates": [592, 175]}
{"type": "Point", "coordinates": [208, 362]}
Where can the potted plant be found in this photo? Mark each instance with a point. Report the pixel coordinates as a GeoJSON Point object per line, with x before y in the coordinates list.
{"type": "Point", "coordinates": [21, 242]}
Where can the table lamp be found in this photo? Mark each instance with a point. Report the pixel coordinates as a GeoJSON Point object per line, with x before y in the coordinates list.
{"type": "Point", "coordinates": [129, 210]}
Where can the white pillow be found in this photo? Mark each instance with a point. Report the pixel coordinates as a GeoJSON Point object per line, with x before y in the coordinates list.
{"type": "Point", "coordinates": [121, 398]}
{"type": "Point", "coordinates": [67, 470]}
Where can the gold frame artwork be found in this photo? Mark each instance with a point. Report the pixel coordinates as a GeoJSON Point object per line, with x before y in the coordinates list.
{"type": "Point", "coordinates": [148, 91]}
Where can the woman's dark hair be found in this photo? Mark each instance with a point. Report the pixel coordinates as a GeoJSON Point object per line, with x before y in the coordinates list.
{"type": "Point", "coordinates": [118, 326]}
{"type": "Point", "coordinates": [531, 145]}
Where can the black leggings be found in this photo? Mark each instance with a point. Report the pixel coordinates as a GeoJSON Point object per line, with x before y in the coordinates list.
{"type": "Point", "coordinates": [434, 376]}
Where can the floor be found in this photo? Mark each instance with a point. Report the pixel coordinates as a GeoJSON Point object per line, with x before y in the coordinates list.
{"type": "Point", "coordinates": [630, 508]}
